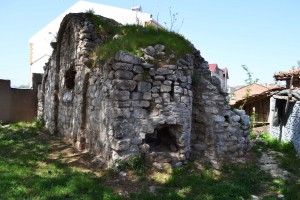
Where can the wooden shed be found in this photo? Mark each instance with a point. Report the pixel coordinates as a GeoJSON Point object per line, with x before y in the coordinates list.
{"type": "Point", "coordinates": [258, 105]}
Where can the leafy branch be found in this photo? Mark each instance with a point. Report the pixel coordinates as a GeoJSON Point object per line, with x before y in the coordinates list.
{"type": "Point", "coordinates": [249, 81]}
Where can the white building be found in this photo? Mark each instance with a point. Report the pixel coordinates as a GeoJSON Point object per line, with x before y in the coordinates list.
{"type": "Point", "coordinates": [222, 75]}
{"type": "Point", "coordinates": [40, 49]}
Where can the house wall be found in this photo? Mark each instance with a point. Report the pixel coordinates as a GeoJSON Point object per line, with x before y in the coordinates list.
{"type": "Point", "coordinates": [222, 78]}
{"type": "Point", "coordinates": [16, 104]}
{"type": "Point", "coordinates": [260, 108]}
{"type": "Point", "coordinates": [296, 82]}
{"type": "Point", "coordinates": [285, 127]}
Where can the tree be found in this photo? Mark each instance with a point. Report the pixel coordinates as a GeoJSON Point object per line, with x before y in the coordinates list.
{"type": "Point", "coordinates": [173, 21]}
{"type": "Point", "coordinates": [249, 81]}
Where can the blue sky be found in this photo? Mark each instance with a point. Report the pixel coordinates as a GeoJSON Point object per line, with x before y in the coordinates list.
{"type": "Point", "coordinates": [262, 34]}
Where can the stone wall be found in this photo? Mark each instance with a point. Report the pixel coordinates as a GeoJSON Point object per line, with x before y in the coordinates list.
{"type": "Point", "coordinates": [129, 106]}
{"type": "Point", "coordinates": [218, 131]}
{"type": "Point", "coordinates": [285, 127]}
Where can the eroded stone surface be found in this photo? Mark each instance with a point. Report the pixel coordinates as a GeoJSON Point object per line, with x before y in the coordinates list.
{"type": "Point", "coordinates": [127, 106]}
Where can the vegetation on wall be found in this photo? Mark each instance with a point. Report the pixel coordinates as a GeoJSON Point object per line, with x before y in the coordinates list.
{"type": "Point", "coordinates": [132, 38]}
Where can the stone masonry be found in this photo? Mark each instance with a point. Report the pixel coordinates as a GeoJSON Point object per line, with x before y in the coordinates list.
{"type": "Point", "coordinates": [287, 127]}
{"type": "Point", "coordinates": [129, 106]}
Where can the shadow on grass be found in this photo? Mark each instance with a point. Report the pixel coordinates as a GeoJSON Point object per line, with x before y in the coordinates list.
{"type": "Point", "coordinates": [29, 169]}
{"type": "Point", "coordinates": [287, 159]}
{"type": "Point", "coordinates": [26, 172]}
{"type": "Point", "coordinates": [194, 182]}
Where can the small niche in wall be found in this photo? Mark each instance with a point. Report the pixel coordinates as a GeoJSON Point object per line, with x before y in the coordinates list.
{"type": "Point", "coordinates": [227, 119]}
{"type": "Point", "coordinates": [70, 78]}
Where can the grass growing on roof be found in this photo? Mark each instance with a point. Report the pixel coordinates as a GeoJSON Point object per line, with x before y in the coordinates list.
{"type": "Point", "coordinates": [135, 37]}
{"type": "Point", "coordinates": [104, 25]}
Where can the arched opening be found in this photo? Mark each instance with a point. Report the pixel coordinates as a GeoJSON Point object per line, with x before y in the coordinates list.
{"type": "Point", "coordinates": [70, 78]}
{"type": "Point", "coordinates": [163, 139]}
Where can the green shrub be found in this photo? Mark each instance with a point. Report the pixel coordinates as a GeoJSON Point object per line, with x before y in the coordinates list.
{"type": "Point", "coordinates": [135, 163]}
{"type": "Point", "coordinates": [276, 144]}
{"type": "Point", "coordinates": [253, 135]}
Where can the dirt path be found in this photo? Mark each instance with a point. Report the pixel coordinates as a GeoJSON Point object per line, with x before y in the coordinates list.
{"type": "Point", "coordinates": [268, 163]}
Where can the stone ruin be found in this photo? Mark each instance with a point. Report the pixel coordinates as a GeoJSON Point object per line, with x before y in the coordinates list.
{"type": "Point", "coordinates": [127, 106]}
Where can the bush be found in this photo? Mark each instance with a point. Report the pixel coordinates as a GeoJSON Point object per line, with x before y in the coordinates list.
{"type": "Point", "coordinates": [135, 163]}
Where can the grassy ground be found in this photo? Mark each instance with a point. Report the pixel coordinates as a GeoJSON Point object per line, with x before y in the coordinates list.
{"type": "Point", "coordinates": [27, 171]}
{"type": "Point", "coordinates": [34, 165]}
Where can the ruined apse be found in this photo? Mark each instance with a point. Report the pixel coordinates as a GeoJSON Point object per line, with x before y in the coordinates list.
{"type": "Point", "coordinates": [128, 106]}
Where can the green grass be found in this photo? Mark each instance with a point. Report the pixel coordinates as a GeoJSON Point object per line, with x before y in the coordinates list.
{"type": "Point", "coordinates": [275, 144]}
{"type": "Point", "coordinates": [235, 182]}
{"type": "Point", "coordinates": [135, 37]}
{"type": "Point", "coordinates": [28, 172]}
{"type": "Point", "coordinates": [287, 159]}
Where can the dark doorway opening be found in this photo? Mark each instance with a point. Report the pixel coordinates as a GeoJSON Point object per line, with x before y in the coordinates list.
{"type": "Point", "coordinates": [163, 139]}
{"type": "Point", "coordinates": [70, 78]}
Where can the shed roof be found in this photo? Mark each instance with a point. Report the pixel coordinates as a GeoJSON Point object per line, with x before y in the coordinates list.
{"type": "Point", "coordinates": [295, 92]}
{"type": "Point", "coordinates": [287, 74]}
{"type": "Point", "coordinates": [256, 97]}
